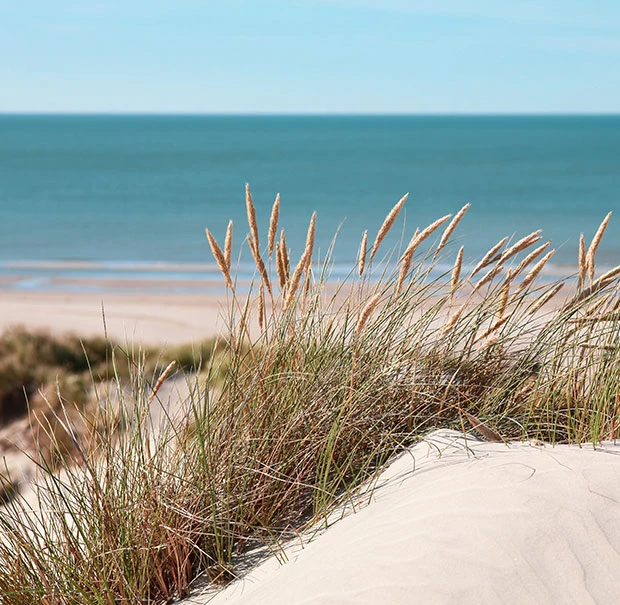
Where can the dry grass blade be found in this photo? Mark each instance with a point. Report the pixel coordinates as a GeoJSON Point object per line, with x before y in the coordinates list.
{"type": "Point", "coordinates": [366, 311]}
{"type": "Point", "coordinates": [280, 268]}
{"type": "Point", "coordinates": [387, 225]}
{"type": "Point", "coordinates": [496, 326]}
{"type": "Point", "coordinates": [164, 375]}
{"type": "Point", "coordinates": [285, 256]}
{"type": "Point", "coordinates": [530, 258]}
{"type": "Point", "coordinates": [603, 281]}
{"type": "Point", "coordinates": [543, 300]}
{"type": "Point", "coordinates": [594, 246]}
{"type": "Point", "coordinates": [260, 265]}
{"type": "Point", "coordinates": [273, 225]}
{"type": "Point", "coordinates": [533, 274]}
{"type": "Point", "coordinates": [249, 203]}
{"type": "Point", "coordinates": [220, 259]}
{"type": "Point", "coordinates": [583, 267]}
{"type": "Point", "coordinates": [490, 275]}
{"type": "Point", "coordinates": [261, 309]}
{"type": "Point", "coordinates": [485, 430]}
{"type": "Point", "coordinates": [522, 244]}
{"type": "Point", "coordinates": [304, 263]}
{"type": "Point", "coordinates": [453, 319]}
{"type": "Point", "coordinates": [503, 301]}
{"type": "Point", "coordinates": [418, 238]}
{"type": "Point", "coordinates": [456, 271]}
{"type": "Point", "coordinates": [228, 245]}
{"type": "Point", "coordinates": [488, 257]}
{"type": "Point", "coordinates": [405, 261]}
{"type": "Point", "coordinates": [361, 257]}
{"type": "Point", "coordinates": [451, 227]}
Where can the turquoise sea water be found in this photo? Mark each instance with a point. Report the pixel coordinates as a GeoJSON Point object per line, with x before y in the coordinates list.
{"type": "Point", "coordinates": [130, 196]}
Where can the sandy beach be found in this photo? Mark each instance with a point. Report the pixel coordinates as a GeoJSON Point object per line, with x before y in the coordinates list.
{"type": "Point", "coordinates": [147, 317]}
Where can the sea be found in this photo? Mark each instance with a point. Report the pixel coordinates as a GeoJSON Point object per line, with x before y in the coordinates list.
{"type": "Point", "coordinates": [90, 200]}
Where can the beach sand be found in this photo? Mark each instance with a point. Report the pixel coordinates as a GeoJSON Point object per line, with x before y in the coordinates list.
{"type": "Point", "coordinates": [144, 317]}
{"type": "Point", "coordinates": [452, 520]}
{"type": "Point", "coordinates": [457, 520]}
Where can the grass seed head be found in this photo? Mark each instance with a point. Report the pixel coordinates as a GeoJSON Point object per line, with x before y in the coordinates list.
{"type": "Point", "coordinates": [451, 227]}
{"type": "Point", "coordinates": [228, 245]}
{"type": "Point", "coordinates": [583, 267]}
{"type": "Point", "coordinates": [487, 259]}
{"type": "Point", "coordinates": [387, 225]}
{"type": "Point", "coordinates": [249, 203]}
{"type": "Point", "coordinates": [522, 244]}
{"type": "Point", "coordinates": [456, 271]}
{"type": "Point", "coordinates": [361, 257]}
{"type": "Point", "coordinates": [220, 259]}
{"type": "Point", "coordinates": [273, 225]}
{"type": "Point", "coordinates": [594, 246]}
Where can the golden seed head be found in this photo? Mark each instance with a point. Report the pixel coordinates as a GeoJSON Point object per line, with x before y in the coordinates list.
{"type": "Point", "coordinates": [387, 225]}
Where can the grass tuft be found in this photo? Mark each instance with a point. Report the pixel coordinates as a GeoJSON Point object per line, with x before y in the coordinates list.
{"type": "Point", "coordinates": [305, 397]}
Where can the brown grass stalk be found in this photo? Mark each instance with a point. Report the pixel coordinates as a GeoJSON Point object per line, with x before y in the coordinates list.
{"type": "Point", "coordinates": [603, 281]}
{"type": "Point", "coordinates": [545, 298]}
{"type": "Point", "coordinates": [387, 225]}
{"type": "Point", "coordinates": [598, 236]}
{"type": "Point", "coordinates": [488, 257]}
{"type": "Point", "coordinates": [273, 225]}
{"type": "Point", "coordinates": [418, 238]}
{"type": "Point", "coordinates": [583, 266]}
{"type": "Point", "coordinates": [488, 277]}
{"type": "Point", "coordinates": [522, 244]}
{"type": "Point", "coordinates": [449, 230]}
{"type": "Point", "coordinates": [251, 210]}
{"type": "Point", "coordinates": [280, 268]}
{"type": "Point", "coordinates": [456, 271]}
{"type": "Point", "coordinates": [228, 245]}
{"type": "Point", "coordinates": [220, 259]}
{"type": "Point", "coordinates": [361, 257]}
{"type": "Point", "coordinates": [366, 312]}
{"type": "Point", "coordinates": [530, 258]}
{"type": "Point", "coordinates": [260, 265]}
{"type": "Point", "coordinates": [533, 274]}
{"type": "Point", "coordinates": [304, 263]}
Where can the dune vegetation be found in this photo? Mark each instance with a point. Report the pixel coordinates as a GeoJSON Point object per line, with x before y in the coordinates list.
{"type": "Point", "coordinates": [314, 387]}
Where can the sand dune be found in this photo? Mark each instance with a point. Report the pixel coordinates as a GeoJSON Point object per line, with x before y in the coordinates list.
{"type": "Point", "coordinates": [456, 520]}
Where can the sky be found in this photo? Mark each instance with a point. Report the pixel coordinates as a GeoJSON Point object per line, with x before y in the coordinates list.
{"type": "Point", "coordinates": [310, 56]}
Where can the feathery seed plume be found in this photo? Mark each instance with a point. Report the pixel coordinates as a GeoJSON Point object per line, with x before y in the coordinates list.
{"type": "Point", "coordinates": [368, 309]}
{"type": "Point", "coordinates": [583, 267]}
{"type": "Point", "coordinates": [528, 259]}
{"type": "Point", "coordinates": [594, 246]}
{"type": "Point", "coordinates": [387, 225]}
{"type": "Point", "coordinates": [249, 203]}
{"type": "Point", "coordinates": [456, 271]}
{"type": "Point", "coordinates": [524, 242]}
{"type": "Point", "coordinates": [488, 257]}
{"type": "Point", "coordinates": [533, 274]}
{"type": "Point", "coordinates": [260, 265]}
{"type": "Point", "coordinates": [543, 300]}
{"type": "Point", "coordinates": [451, 227]}
{"type": "Point", "coordinates": [228, 245]}
{"type": "Point", "coordinates": [361, 260]}
{"type": "Point", "coordinates": [273, 225]}
{"type": "Point", "coordinates": [219, 258]}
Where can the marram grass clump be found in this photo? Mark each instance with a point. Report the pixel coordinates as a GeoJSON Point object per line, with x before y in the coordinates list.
{"type": "Point", "coordinates": [317, 386]}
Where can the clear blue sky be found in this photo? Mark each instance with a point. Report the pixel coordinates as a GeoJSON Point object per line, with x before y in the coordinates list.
{"type": "Point", "coordinates": [318, 56]}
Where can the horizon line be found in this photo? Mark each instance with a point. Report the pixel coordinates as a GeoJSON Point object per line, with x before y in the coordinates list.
{"type": "Point", "coordinates": [93, 113]}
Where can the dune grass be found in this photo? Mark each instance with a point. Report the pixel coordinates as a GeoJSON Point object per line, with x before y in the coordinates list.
{"type": "Point", "coordinates": [315, 386]}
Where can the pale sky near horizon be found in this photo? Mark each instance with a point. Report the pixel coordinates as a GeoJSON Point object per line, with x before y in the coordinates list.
{"type": "Point", "coordinates": [310, 56]}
